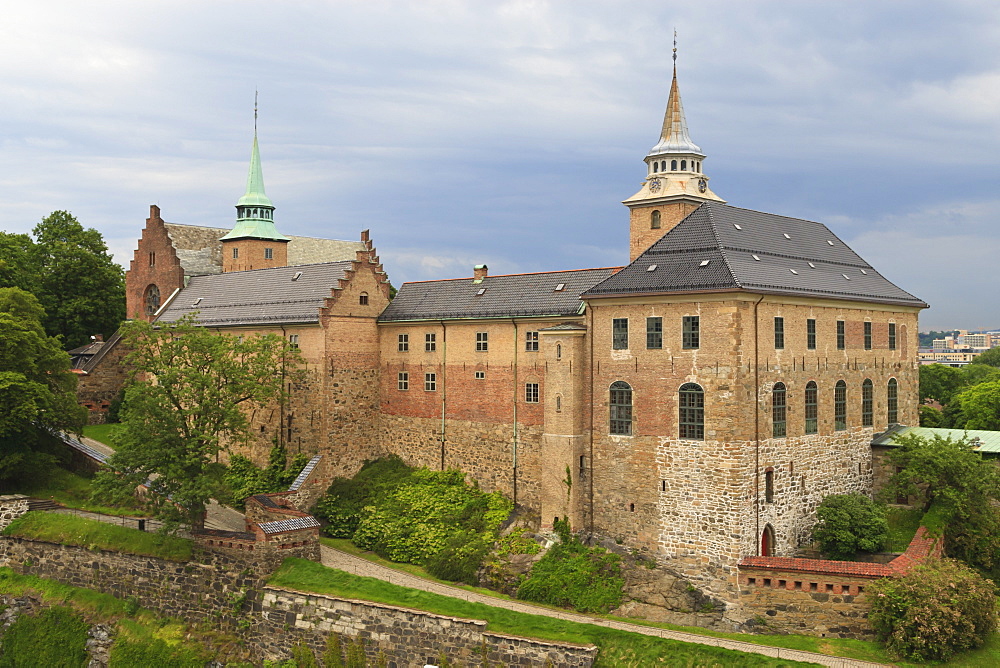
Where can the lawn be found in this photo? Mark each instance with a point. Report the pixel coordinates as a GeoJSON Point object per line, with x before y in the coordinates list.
{"type": "Point", "coordinates": [68, 489]}
{"type": "Point", "coordinates": [72, 530]}
{"type": "Point", "coordinates": [101, 432]}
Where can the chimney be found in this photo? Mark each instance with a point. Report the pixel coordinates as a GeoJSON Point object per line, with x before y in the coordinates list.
{"type": "Point", "coordinates": [97, 337]}
{"type": "Point", "coordinates": [479, 272]}
{"type": "Point", "coordinates": [154, 211]}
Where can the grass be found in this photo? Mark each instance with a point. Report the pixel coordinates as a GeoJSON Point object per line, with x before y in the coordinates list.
{"type": "Point", "coordinates": [102, 607]}
{"type": "Point", "coordinates": [903, 523]}
{"type": "Point", "coordinates": [101, 432]}
{"type": "Point", "coordinates": [617, 648]}
{"type": "Point", "coordinates": [71, 490]}
{"type": "Point", "coordinates": [72, 530]}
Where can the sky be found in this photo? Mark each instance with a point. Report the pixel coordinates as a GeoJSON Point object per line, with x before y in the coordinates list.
{"type": "Point", "coordinates": [507, 133]}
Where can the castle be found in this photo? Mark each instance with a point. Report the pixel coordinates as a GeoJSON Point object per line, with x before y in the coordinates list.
{"type": "Point", "coordinates": [698, 403]}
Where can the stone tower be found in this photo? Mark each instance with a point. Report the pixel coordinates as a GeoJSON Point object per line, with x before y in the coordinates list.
{"type": "Point", "coordinates": [675, 184]}
{"type": "Point", "coordinates": [254, 243]}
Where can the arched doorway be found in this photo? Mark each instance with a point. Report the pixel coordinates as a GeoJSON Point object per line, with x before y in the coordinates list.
{"type": "Point", "coordinates": [767, 542]}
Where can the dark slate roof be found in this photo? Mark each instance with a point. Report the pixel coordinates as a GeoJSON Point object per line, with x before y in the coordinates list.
{"type": "Point", "coordinates": [512, 295]}
{"type": "Point", "coordinates": [258, 297]}
{"type": "Point", "coordinates": [796, 257]}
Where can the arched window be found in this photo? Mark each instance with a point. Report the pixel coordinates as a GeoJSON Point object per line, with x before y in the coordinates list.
{"type": "Point", "coordinates": [812, 408]}
{"type": "Point", "coordinates": [867, 419]}
{"type": "Point", "coordinates": [363, 299]}
{"type": "Point", "coordinates": [684, 165]}
{"type": "Point", "coordinates": [654, 220]}
{"type": "Point", "coordinates": [656, 166]}
{"type": "Point", "coordinates": [152, 299]}
{"type": "Point", "coordinates": [621, 408]}
{"type": "Point", "coordinates": [558, 351]}
{"type": "Point", "coordinates": [778, 411]}
{"type": "Point", "coordinates": [673, 165]}
{"type": "Point", "coordinates": [892, 401]}
{"type": "Point", "coordinates": [691, 411]}
{"type": "Point", "coordinates": [840, 406]}
{"type": "Point", "coordinates": [767, 541]}
{"type": "Point", "coordinates": [558, 403]}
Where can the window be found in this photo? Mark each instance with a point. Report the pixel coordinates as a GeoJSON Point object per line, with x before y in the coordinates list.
{"type": "Point", "coordinates": [619, 333]}
{"type": "Point", "coordinates": [558, 404]}
{"type": "Point", "coordinates": [691, 412]}
{"type": "Point", "coordinates": [840, 406]}
{"type": "Point", "coordinates": [268, 253]}
{"type": "Point", "coordinates": [531, 342]}
{"type": "Point", "coordinates": [779, 333]}
{"type": "Point", "coordinates": [867, 390]}
{"type": "Point", "coordinates": [363, 299]}
{"type": "Point", "coordinates": [430, 342]}
{"type": "Point", "coordinates": [152, 259]}
{"type": "Point", "coordinates": [403, 381]}
{"type": "Point", "coordinates": [654, 220]}
{"type": "Point", "coordinates": [403, 343]}
{"type": "Point", "coordinates": [690, 332]}
{"type": "Point", "coordinates": [779, 411]}
{"type": "Point", "coordinates": [841, 335]}
{"type": "Point", "coordinates": [558, 351]}
{"type": "Point", "coordinates": [892, 336]}
{"type": "Point", "coordinates": [430, 382]}
{"type": "Point", "coordinates": [482, 342]}
{"type": "Point", "coordinates": [654, 333]}
{"type": "Point", "coordinates": [812, 408]}
{"type": "Point", "coordinates": [531, 393]}
{"type": "Point", "coordinates": [480, 375]}
{"type": "Point", "coordinates": [684, 165]}
{"type": "Point", "coordinates": [811, 334]}
{"type": "Point", "coordinates": [621, 408]}
{"type": "Point", "coordinates": [293, 340]}
{"type": "Point", "coordinates": [236, 253]}
{"type": "Point", "coordinates": [868, 335]}
{"type": "Point", "coordinates": [152, 299]}
{"type": "Point", "coordinates": [892, 401]}
{"type": "Point", "coordinates": [673, 165]}
{"type": "Point", "coordinates": [769, 486]}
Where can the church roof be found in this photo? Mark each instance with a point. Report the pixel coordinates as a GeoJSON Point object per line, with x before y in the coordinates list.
{"type": "Point", "coordinates": [722, 248]}
{"type": "Point", "coordinates": [674, 137]}
{"type": "Point", "coordinates": [281, 295]}
{"type": "Point", "coordinates": [551, 293]}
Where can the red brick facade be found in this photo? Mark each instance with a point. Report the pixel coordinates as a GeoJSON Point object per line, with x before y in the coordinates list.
{"type": "Point", "coordinates": [154, 265]}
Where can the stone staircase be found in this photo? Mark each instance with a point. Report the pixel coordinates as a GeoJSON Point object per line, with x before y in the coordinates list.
{"type": "Point", "coordinates": [43, 504]}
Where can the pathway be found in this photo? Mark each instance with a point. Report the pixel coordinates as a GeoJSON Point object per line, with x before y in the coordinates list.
{"type": "Point", "coordinates": [358, 566]}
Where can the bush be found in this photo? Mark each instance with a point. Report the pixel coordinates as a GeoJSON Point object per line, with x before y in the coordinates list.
{"type": "Point", "coordinates": [938, 609]}
{"type": "Point", "coordinates": [56, 636]}
{"type": "Point", "coordinates": [460, 558]}
{"type": "Point", "coordinates": [244, 478]}
{"type": "Point", "coordinates": [587, 579]}
{"type": "Point", "coordinates": [849, 523]}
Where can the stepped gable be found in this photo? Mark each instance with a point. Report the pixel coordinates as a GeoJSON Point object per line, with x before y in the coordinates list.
{"type": "Point", "coordinates": [719, 247]}
{"type": "Point", "coordinates": [511, 295]}
{"type": "Point", "coordinates": [258, 297]}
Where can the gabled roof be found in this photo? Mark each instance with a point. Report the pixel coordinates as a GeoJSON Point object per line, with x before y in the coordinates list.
{"type": "Point", "coordinates": [722, 248]}
{"type": "Point", "coordinates": [512, 295]}
{"type": "Point", "coordinates": [258, 297]}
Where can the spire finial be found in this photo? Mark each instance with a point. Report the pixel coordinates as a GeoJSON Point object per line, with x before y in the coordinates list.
{"type": "Point", "coordinates": [675, 47]}
{"type": "Point", "coordinates": [255, 92]}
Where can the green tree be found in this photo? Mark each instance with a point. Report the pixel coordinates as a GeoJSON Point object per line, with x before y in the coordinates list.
{"type": "Point", "coordinates": [37, 389]}
{"type": "Point", "coordinates": [16, 262]}
{"type": "Point", "coordinates": [186, 403]}
{"type": "Point", "coordinates": [980, 406]}
{"type": "Point", "coordinates": [935, 611]}
{"type": "Point", "coordinates": [849, 523]}
{"type": "Point", "coordinates": [990, 358]}
{"type": "Point", "coordinates": [939, 382]}
{"type": "Point", "coordinates": [961, 486]}
{"type": "Point", "coordinates": [78, 284]}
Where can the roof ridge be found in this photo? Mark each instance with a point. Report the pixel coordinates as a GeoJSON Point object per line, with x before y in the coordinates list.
{"type": "Point", "coordinates": [525, 273]}
{"type": "Point", "coordinates": [287, 266]}
{"type": "Point", "coordinates": [718, 241]}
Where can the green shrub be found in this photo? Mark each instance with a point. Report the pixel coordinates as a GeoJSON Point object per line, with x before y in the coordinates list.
{"type": "Point", "coordinates": [303, 656]}
{"type": "Point", "coordinates": [244, 478]}
{"type": "Point", "coordinates": [129, 652]}
{"type": "Point", "coordinates": [849, 523]}
{"type": "Point", "coordinates": [460, 558]}
{"type": "Point", "coordinates": [55, 637]}
{"type": "Point", "coordinates": [587, 579]}
{"type": "Point", "coordinates": [346, 497]}
{"type": "Point", "coordinates": [940, 608]}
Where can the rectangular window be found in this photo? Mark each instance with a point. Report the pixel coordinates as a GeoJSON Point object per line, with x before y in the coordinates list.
{"type": "Point", "coordinates": [691, 332]}
{"type": "Point", "coordinates": [403, 343]}
{"type": "Point", "coordinates": [619, 333]}
{"type": "Point", "coordinates": [236, 253]}
{"type": "Point", "coordinates": [892, 336]}
{"type": "Point", "coordinates": [430, 382]}
{"type": "Point", "coordinates": [779, 333]}
{"type": "Point", "coordinates": [482, 342]}
{"type": "Point", "coordinates": [654, 333]}
{"type": "Point", "coordinates": [811, 334]}
{"type": "Point", "coordinates": [812, 408]}
{"type": "Point", "coordinates": [152, 259]}
{"type": "Point", "coordinates": [531, 393]}
{"type": "Point", "coordinates": [531, 342]}
{"type": "Point", "coordinates": [480, 375]}
{"type": "Point", "coordinates": [868, 335]}
{"type": "Point", "coordinates": [430, 343]}
{"type": "Point", "coordinates": [403, 381]}
{"type": "Point", "coordinates": [268, 253]}
{"type": "Point", "coordinates": [841, 335]}
{"type": "Point", "coordinates": [293, 340]}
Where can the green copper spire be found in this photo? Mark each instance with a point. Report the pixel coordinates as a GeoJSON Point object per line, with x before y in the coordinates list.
{"type": "Point", "coordinates": [254, 211]}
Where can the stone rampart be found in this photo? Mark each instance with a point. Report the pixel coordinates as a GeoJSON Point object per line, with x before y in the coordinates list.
{"type": "Point", "coordinates": [12, 506]}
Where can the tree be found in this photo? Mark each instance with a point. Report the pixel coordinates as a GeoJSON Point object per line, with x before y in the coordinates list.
{"type": "Point", "coordinates": [16, 263]}
{"type": "Point", "coordinates": [961, 486]}
{"type": "Point", "coordinates": [849, 523]}
{"type": "Point", "coordinates": [980, 406]}
{"type": "Point", "coordinates": [188, 401]}
{"type": "Point", "coordinates": [78, 284]}
{"type": "Point", "coordinates": [937, 610]}
{"type": "Point", "coordinates": [990, 358]}
{"type": "Point", "coordinates": [37, 389]}
{"type": "Point", "coordinates": [939, 382]}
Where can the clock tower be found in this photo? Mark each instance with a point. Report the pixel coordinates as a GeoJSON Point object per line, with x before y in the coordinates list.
{"type": "Point", "coordinates": [675, 184]}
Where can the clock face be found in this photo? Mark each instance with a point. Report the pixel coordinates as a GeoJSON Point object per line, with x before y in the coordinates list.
{"type": "Point", "coordinates": [654, 185]}
{"type": "Point", "coordinates": [702, 185]}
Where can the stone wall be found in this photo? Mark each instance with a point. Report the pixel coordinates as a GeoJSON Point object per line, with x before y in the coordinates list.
{"type": "Point", "coordinates": [12, 506]}
{"type": "Point", "coordinates": [283, 619]}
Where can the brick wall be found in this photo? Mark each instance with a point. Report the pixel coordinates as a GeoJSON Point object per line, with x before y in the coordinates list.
{"type": "Point", "coordinates": [154, 263]}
